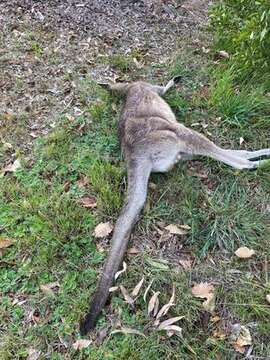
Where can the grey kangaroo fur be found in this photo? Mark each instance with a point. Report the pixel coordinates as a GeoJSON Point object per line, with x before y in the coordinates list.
{"type": "Point", "coordinates": [152, 141]}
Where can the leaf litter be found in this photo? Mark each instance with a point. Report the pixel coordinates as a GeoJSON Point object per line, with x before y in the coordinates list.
{"type": "Point", "coordinates": [205, 290]}
{"type": "Point", "coordinates": [103, 230]}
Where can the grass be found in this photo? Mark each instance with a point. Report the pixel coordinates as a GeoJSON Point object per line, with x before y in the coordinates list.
{"type": "Point", "coordinates": [39, 209]}
{"type": "Point", "coordinates": [237, 105]}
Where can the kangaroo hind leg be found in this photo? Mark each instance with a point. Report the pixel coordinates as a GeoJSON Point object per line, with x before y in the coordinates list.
{"type": "Point", "coordinates": [245, 154]}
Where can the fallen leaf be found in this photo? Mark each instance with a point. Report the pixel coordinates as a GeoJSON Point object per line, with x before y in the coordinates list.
{"type": "Point", "coordinates": [12, 167]}
{"type": "Point", "coordinates": [6, 242]}
{"type": "Point", "coordinates": [147, 290]}
{"type": "Point", "coordinates": [82, 182]}
{"type": "Point", "coordinates": [244, 337]}
{"type": "Point", "coordinates": [127, 330]}
{"type": "Point", "coordinates": [137, 288]}
{"type": "Point", "coordinates": [33, 354]}
{"type": "Point", "coordinates": [224, 54]}
{"type": "Point", "coordinates": [202, 290]}
{"type": "Point", "coordinates": [152, 302]}
{"type": "Point", "coordinates": [268, 298]}
{"type": "Point", "coordinates": [126, 295]}
{"type": "Point", "coordinates": [113, 288]}
{"type": "Point", "coordinates": [88, 202]}
{"type": "Point", "coordinates": [173, 329]}
{"type": "Point", "coordinates": [81, 344]}
{"type": "Point", "coordinates": [166, 323]}
{"type": "Point", "coordinates": [240, 349]}
{"type": "Point", "coordinates": [103, 230]}
{"type": "Point", "coordinates": [219, 334]}
{"type": "Point", "coordinates": [176, 230]}
{"type": "Point", "coordinates": [48, 288]}
{"type": "Point", "coordinates": [209, 303]}
{"type": "Point", "coordinates": [165, 308]}
{"type": "Point", "coordinates": [116, 276]}
{"type": "Point", "coordinates": [244, 252]}
{"type": "Point", "coordinates": [156, 307]}
{"type": "Point", "coordinates": [205, 291]}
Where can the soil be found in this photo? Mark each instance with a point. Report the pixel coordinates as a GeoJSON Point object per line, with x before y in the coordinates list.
{"type": "Point", "coordinates": [46, 47]}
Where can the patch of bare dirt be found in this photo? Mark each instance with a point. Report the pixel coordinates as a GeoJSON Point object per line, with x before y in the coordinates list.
{"type": "Point", "coordinates": [46, 47]}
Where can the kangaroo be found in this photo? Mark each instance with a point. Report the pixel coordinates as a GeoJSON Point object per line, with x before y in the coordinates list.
{"type": "Point", "coordinates": [152, 141]}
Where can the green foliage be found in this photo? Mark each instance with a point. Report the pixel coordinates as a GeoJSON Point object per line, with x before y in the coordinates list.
{"type": "Point", "coordinates": [106, 180]}
{"type": "Point", "coordinates": [242, 28]}
{"type": "Point", "coordinates": [236, 104]}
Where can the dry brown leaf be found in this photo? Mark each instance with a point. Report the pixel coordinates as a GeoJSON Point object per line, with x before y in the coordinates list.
{"type": "Point", "coordinates": [116, 276]}
{"type": "Point", "coordinates": [82, 182]}
{"type": "Point", "coordinates": [240, 349]}
{"type": "Point", "coordinates": [147, 290]}
{"type": "Point", "coordinates": [219, 334]}
{"type": "Point", "coordinates": [6, 242]}
{"type": "Point", "coordinates": [205, 291]}
{"type": "Point", "coordinates": [209, 303]}
{"type": "Point", "coordinates": [137, 288]}
{"type": "Point", "coordinates": [12, 167]}
{"type": "Point", "coordinates": [126, 295]}
{"type": "Point", "coordinates": [268, 298]}
{"type": "Point", "coordinates": [244, 252]}
{"type": "Point", "coordinates": [152, 302]}
{"type": "Point", "coordinates": [166, 323]}
{"type": "Point", "coordinates": [33, 354]}
{"type": "Point", "coordinates": [202, 290]}
{"type": "Point", "coordinates": [127, 330]}
{"type": "Point", "coordinates": [81, 344]}
{"type": "Point", "coordinates": [244, 337]}
{"type": "Point", "coordinates": [165, 308]}
{"type": "Point", "coordinates": [48, 288]}
{"type": "Point", "coordinates": [176, 230]}
{"type": "Point", "coordinates": [103, 230]}
{"type": "Point", "coordinates": [88, 202]}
